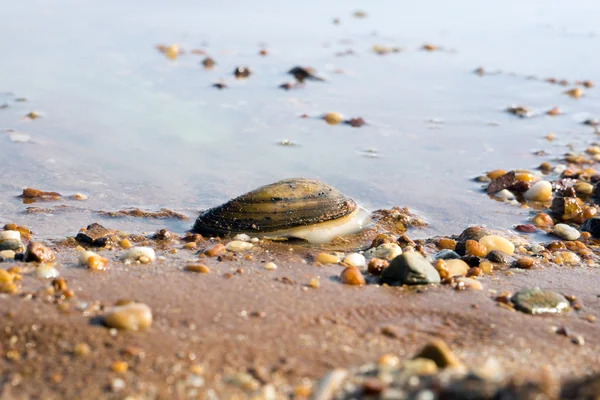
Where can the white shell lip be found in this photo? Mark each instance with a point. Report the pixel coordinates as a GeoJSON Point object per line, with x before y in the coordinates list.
{"type": "Point", "coordinates": [326, 231]}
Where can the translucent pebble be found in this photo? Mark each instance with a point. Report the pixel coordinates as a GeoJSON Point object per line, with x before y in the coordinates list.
{"type": "Point", "coordinates": [566, 232]}
{"type": "Point", "coordinates": [141, 254]}
{"type": "Point", "coordinates": [355, 260]}
{"type": "Point", "coordinates": [243, 237]}
{"type": "Point", "coordinates": [131, 317]}
{"type": "Point", "coordinates": [494, 242]}
{"type": "Point", "coordinates": [456, 267]}
{"type": "Point", "coordinates": [504, 195]}
{"type": "Point", "coordinates": [10, 235]}
{"type": "Point", "coordinates": [46, 271]}
{"type": "Point", "coordinates": [270, 266]}
{"type": "Point", "coordinates": [541, 191]}
{"type": "Point", "coordinates": [238, 245]}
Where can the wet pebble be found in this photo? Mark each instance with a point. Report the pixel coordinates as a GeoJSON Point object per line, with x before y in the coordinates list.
{"type": "Point", "coordinates": [198, 268]}
{"type": "Point", "coordinates": [355, 260]}
{"type": "Point", "coordinates": [37, 252]}
{"type": "Point", "coordinates": [352, 276]}
{"type": "Point", "coordinates": [505, 194]}
{"type": "Point", "coordinates": [325, 258]}
{"type": "Point", "coordinates": [333, 118]}
{"type": "Point", "coordinates": [410, 268]}
{"type": "Point", "coordinates": [456, 267]}
{"type": "Point", "coordinates": [46, 271]}
{"type": "Point", "coordinates": [144, 255]}
{"type": "Point", "coordinates": [542, 220]}
{"type": "Point", "coordinates": [95, 234]}
{"type": "Point", "coordinates": [539, 301]}
{"type": "Point", "coordinates": [131, 317]}
{"type": "Point", "coordinates": [330, 384]}
{"type": "Point", "coordinates": [439, 352]}
{"type": "Point", "coordinates": [566, 232]}
{"type": "Point", "coordinates": [446, 255]}
{"type": "Point", "coordinates": [7, 255]}
{"type": "Point", "coordinates": [498, 257]}
{"type": "Point", "coordinates": [540, 191]}
{"type": "Point", "coordinates": [237, 246]}
{"type": "Point", "coordinates": [215, 250]}
{"type": "Point", "coordinates": [270, 266]}
{"type": "Point", "coordinates": [377, 265]}
{"type": "Point", "coordinates": [386, 251]}
{"type": "Point", "coordinates": [93, 261]}
{"type": "Point", "coordinates": [592, 226]}
{"type": "Point", "coordinates": [584, 188]}
{"type": "Point", "coordinates": [468, 283]}
{"type": "Point", "coordinates": [243, 237]}
{"type": "Point", "coordinates": [495, 242]}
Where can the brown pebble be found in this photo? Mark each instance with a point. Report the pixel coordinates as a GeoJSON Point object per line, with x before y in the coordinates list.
{"type": "Point", "coordinates": [543, 220]}
{"type": "Point", "coordinates": [203, 269]}
{"type": "Point", "coordinates": [215, 250]}
{"type": "Point", "coordinates": [373, 386]}
{"type": "Point", "coordinates": [438, 351]}
{"type": "Point", "coordinates": [525, 263]}
{"type": "Point", "coordinates": [376, 265]}
{"type": "Point", "coordinates": [476, 249]}
{"type": "Point", "coordinates": [37, 252]}
{"type": "Point", "coordinates": [474, 271]}
{"type": "Point", "coordinates": [525, 228]}
{"type": "Point", "coordinates": [352, 276]}
{"type": "Point", "coordinates": [446, 243]}
{"type": "Point", "coordinates": [59, 284]}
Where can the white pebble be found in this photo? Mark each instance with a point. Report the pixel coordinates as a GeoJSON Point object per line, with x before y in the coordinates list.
{"type": "Point", "coordinates": [242, 236]}
{"type": "Point", "coordinates": [238, 245]}
{"type": "Point", "coordinates": [141, 254]}
{"type": "Point", "coordinates": [10, 235]}
{"type": "Point", "coordinates": [254, 240]}
{"type": "Point", "coordinates": [387, 251]}
{"type": "Point", "coordinates": [566, 232]}
{"type": "Point", "coordinates": [46, 271]}
{"type": "Point", "coordinates": [504, 195]}
{"type": "Point", "coordinates": [355, 260]}
{"type": "Point", "coordinates": [84, 256]}
{"type": "Point", "coordinates": [270, 266]}
{"type": "Point", "coordinates": [8, 254]}
{"type": "Point", "coordinates": [541, 191]}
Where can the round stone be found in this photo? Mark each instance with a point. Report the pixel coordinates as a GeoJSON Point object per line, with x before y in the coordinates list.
{"type": "Point", "coordinates": [539, 301]}
{"type": "Point", "coordinates": [237, 246]}
{"type": "Point", "coordinates": [495, 242]}
{"type": "Point", "coordinates": [410, 268]}
{"type": "Point", "coordinates": [541, 191]}
{"type": "Point", "coordinates": [142, 254]}
{"type": "Point", "coordinates": [566, 232]}
{"type": "Point", "coordinates": [386, 251]}
{"type": "Point", "coordinates": [131, 317]}
{"type": "Point", "coordinates": [355, 260]}
{"type": "Point", "coordinates": [456, 267]}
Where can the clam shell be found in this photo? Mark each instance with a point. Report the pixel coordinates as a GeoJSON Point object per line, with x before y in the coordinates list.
{"type": "Point", "coordinates": [279, 206]}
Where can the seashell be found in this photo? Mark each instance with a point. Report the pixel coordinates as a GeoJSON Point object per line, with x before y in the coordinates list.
{"type": "Point", "coordinates": [300, 208]}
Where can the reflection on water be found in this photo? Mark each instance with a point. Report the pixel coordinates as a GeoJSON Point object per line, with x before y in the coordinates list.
{"type": "Point", "coordinates": [129, 128]}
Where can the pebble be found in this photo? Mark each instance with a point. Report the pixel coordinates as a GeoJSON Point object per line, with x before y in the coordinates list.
{"type": "Point", "coordinates": [386, 251]}
{"type": "Point", "coordinates": [243, 237]}
{"type": "Point", "coordinates": [37, 252]}
{"type": "Point", "coordinates": [131, 317]}
{"type": "Point", "coordinates": [438, 351]}
{"type": "Point", "coordinates": [539, 301]}
{"type": "Point", "coordinates": [377, 265]}
{"type": "Point", "coordinates": [542, 220]}
{"type": "Point", "coordinates": [592, 226]}
{"type": "Point", "coordinates": [419, 366]}
{"type": "Point", "coordinates": [325, 258]}
{"type": "Point", "coordinates": [215, 250]}
{"type": "Point", "coordinates": [144, 255]}
{"type": "Point", "coordinates": [456, 268]}
{"type": "Point", "coordinates": [494, 242]}
{"type": "Point", "coordinates": [352, 276]}
{"type": "Point", "coordinates": [355, 260]}
{"type": "Point", "coordinates": [526, 263]}
{"type": "Point", "coordinates": [540, 191]}
{"type": "Point", "coordinates": [237, 246]}
{"type": "Point", "coordinates": [46, 271]}
{"type": "Point", "coordinates": [330, 384]}
{"type": "Point", "coordinates": [410, 268]}
{"type": "Point", "coordinates": [93, 261]}
{"type": "Point", "coordinates": [486, 267]}
{"type": "Point", "coordinates": [566, 232]}
{"type": "Point", "coordinates": [95, 235]}
{"type": "Point", "coordinates": [7, 254]}
{"type": "Point", "coordinates": [505, 194]}
{"type": "Point", "coordinates": [468, 283]}
{"type": "Point", "coordinates": [270, 266]}
{"type": "Point", "coordinates": [498, 257]}
{"type": "Point", "coordinates": [584, 188]}
{"type": "Point", "coordinates": [10, 234]}
{"type": "Point", "coordinates": [474, 248]}
{"type": "Point", "coordinates": [333, 118]}
{"type": "Point", "coordinates": [566, 258]}
{"type": "Point", "coordinates": [446, 255]}
{"type": "Point", "coordinates": [199, 268]}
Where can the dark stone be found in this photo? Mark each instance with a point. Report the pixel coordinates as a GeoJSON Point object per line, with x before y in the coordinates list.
{"type": "Point", "coordinates": [301, 74]}
{"type": "Point", "coordinates": [472, 261]}
{"type": "Point", "coordinates": [12, 244]}
{"type": "Point", "coordinates": [596, 192]}
{"type": "Point", "coordinates": [474, 233]}
{"type": "Point", "coordinates": [592, 226]}
{"type": "Point", "coordinates": [526, 228]}
{"type": "Point", "coordinates": [242, 72]}
{"type": "Point", "coordinates": [538, 301]}
{"type": "Point", "coordinates": [520, 186]}
{"type": "Point", "coordinates": [95, 234]}
{"type": "Point", "coordinates": [498, 257]}
{"type": "Point", "coordinates": [446, 254]}
{"type": "Point", "coordinates": [502, 182]}
{"type": "Point", "coordinates": [37, 252]}
{"type": "Point", "coordinates": [568, 192]}
{"type": "Point", "coordinates": [410, 268]}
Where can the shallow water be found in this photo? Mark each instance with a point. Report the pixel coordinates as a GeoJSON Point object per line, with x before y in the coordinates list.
{"type": "Point", "coordinates": [130, 128]}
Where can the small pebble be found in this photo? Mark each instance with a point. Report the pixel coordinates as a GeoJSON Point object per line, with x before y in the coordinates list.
{"type": "Point", "coordinates": [46, 271]}
{"type": "Point", "coordinates": [566, 232]}
{"type": "Point", "coordinates": [352, 276]}
{"type": "Point", "coordinates": [474, 248]}
{"type": "Point", "coordinates": [505, 194]}
{"type": "Point", "coordinates": [237, 246]}
{"type": "Point", "coordinates": [376, 265]}
{"type": "Point", "coordinates": [439, 352]}
{"type": "Point", "coordinates": [314, 282]}
{"type": "Point", "coordinates": [540, 191]}
{"type": "Point", "coordinates": [37, 252]}
{"type": "Point", "coordinates": [355, 260]}
{"type": "Point", "coordinates": [456, 267]}
{"type": "Point", "coordinates": [333, 118]}
{"type": "Point", "coordinates": [539, 301]}
{"type": "Point", "coordinates": [93, 261]}
{"type": "Point", "coordinates": [270, 266]}
{"type": "Point", "coordinates": [199, 268]}
{"type": "Point", "coordinates": [526, 263]}
{"type": "Point", "coordinates": [386, 251]}
{"type": "Point", "coordinates": [468, 283]}
{"type": "Point", "coordinates": [542, 220]}
{"type": "Point", "coordinates": [325, 258]}
{"type": "Point", "coordinates": [131, 316]}
{"type": "Point", "coordinates": [144, 255]}
{"type": "Point", "coordinates": [495, 242]}
{"type": "Point", "coordinates": [242, 236]}
{"type": "Point", "coordinates": [584, 188]}
{"type": "Point", "coordinates": [215, 250]}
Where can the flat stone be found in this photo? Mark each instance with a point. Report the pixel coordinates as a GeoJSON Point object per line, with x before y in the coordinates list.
{"type": "Point", "coordinates": [499, 257]}
{"type": "Point", "coordinates": [95, 234]}
{"type": "Point", "coordinates": [11, 244]}
{"type": "Point", "coordinates": [37, 252]}
{"type": "Point", "coordinates": [446, 254]}
{"type": "Point", "coordinates": [410, 268]}
{"type": "Point", "coordinates": [502, 182]}
{"type": "Point", "coordinates": [566, 232]}
{"type": "Point", "coordinates": [539, 301]}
